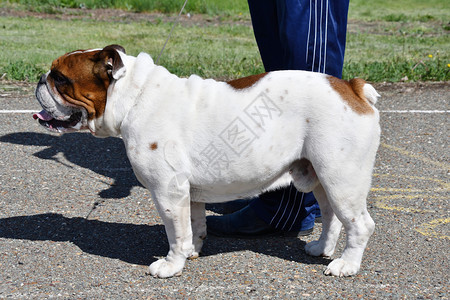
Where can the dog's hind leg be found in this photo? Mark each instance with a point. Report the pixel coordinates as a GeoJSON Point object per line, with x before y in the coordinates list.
{"type": "Point", "coordinates": [347, 197]}
{"type": "Point", "coordinates": [331, 227]}
{"type": "Point", "coordinates": [305, 179]}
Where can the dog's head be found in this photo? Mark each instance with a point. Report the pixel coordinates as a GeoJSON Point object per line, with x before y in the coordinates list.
{"type": "Point", "coordinates": [73, 93]}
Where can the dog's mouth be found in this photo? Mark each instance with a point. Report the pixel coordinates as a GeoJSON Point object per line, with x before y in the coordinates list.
{"type": "Point", "coordinates": [74, 123]}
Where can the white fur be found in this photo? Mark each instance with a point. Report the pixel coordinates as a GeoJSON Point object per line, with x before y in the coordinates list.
{"type": "Point", "coordinates": [191, 121]}
{"type": "Point", "coordinates": [371, 94]}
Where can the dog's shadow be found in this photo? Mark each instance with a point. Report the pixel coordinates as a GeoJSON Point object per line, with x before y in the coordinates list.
{"type": "Point", "coordinates": [137, 244]}
{"type": "Point", "coordinates": [104, 156]}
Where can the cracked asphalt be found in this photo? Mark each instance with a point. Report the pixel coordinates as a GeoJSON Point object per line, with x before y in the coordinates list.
{"type": "Point", "coordinates": [76, 224]}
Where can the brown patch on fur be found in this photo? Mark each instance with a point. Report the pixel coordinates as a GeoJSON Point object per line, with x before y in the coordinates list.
{"type": "Point", "coordinates": [353, 93]}
{"type": "Point", "coordinates": [246, 82]}
{"type": "Point", "coordinates": [154, 146]}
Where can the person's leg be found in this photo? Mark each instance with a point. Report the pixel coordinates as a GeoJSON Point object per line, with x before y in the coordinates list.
{"type": "Point", "coordinates": [335, 38]}
{"type": "Point", "coordinates": [284, 212]}
{"type": "Point", "coordinates": [265, 27]}
{"type": "Point", "coordinates": [287, 210]}
{"type": "Point", "coordinates": [313, 33]}
{"type": "Point", "coordinates": [294, 30]}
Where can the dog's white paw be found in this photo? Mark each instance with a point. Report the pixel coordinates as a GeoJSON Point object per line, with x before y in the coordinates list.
{"type": "Point", "coordinates": [194, 255]}
{"type": "Point", "coordinates": [341, 268]}
{"type": "Point", "coordinates": [164, 269]}
{"type": "Point", "coordinates": [316, 248]}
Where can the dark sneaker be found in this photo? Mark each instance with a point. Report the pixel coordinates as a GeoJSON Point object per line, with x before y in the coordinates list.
{"type": "Point", "coordinates": [245, 223]}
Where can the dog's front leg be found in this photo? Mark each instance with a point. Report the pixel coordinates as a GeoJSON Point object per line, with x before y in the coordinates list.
{"type": "Point", "coordinates": [173, 204]}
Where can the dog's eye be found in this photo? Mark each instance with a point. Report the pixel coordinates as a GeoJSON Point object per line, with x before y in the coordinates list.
{"type": "Point", "coordinates": [59, 78]}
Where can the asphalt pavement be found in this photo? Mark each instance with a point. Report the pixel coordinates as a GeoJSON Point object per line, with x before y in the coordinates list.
{"type": "Point", "coordinates": [76, 224]}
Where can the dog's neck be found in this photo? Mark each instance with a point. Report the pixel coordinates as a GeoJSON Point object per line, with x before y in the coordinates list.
{"type": "Point", "coordinates": [123, 94]}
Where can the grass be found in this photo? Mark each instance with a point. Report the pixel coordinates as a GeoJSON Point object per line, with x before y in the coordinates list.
{"type": "Point", "coordinates": [387, 41]}
{"type": "Point", "coordinates": [400, 10]}
{"type": "Point", "coordinates": [414, 51]}
{"type": "Point", "coordinates": [165, 6]}
{"type": "Point", "coordinates": [223, 52]}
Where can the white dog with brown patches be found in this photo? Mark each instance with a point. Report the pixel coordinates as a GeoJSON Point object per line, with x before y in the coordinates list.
{"type": "Point", "coordinates": [192, 141]}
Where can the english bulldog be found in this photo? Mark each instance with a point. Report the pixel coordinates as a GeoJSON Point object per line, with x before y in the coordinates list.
{"type": "Point", "coordinates": [193, 140]}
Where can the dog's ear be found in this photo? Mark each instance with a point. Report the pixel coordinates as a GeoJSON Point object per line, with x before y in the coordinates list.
{"type": "Point", "coordinates": [115, 47]}
{"type": "Point", "coordinates": [110, 61]}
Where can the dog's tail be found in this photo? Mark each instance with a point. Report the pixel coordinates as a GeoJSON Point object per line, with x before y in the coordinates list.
{"type": "Point", "coordinates": [367, 91]}
{"type": "Point", "coordinates": [371, 94]}
{"type": "Point", "coordinates": [356, 89]}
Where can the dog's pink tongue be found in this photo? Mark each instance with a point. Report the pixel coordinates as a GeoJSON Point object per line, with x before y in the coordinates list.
{"type": "Point", "coordinates": [43, 115]}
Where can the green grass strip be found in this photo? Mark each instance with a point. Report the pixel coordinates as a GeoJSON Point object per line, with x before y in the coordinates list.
{"type": "Point", "coordinates": [388, 44]}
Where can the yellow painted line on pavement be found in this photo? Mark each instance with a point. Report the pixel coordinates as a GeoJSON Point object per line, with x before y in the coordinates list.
{"type": "Point", "coordinates": [437, 191]}
{"type": "Point", "coordinates": [405, 152]}
{"type": "Point", "coordinates": [430, 228]}
{"type": "Point", "coordinates": [381, 203]}
{"type": "Point", "coordinates": [396, 190]}
{"type": "Point", "coordinates": [444, 185]}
